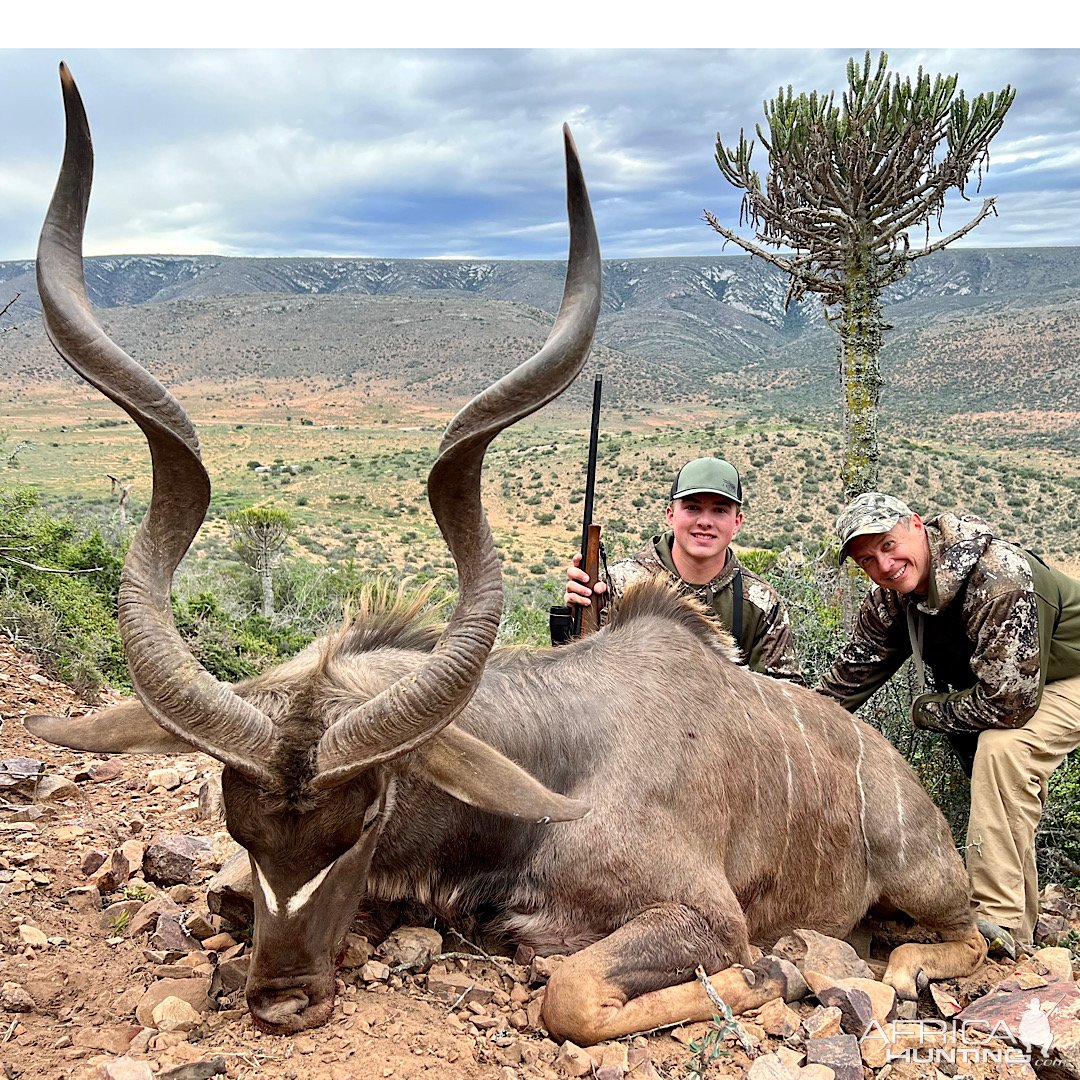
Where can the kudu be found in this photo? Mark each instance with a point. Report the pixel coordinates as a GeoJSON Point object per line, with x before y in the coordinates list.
{"type": "Point", "coordinates": [636, 799]}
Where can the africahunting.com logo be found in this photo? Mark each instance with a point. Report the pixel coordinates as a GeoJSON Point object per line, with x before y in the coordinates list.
{"type": "Point", "coordinates": [959, 1042]}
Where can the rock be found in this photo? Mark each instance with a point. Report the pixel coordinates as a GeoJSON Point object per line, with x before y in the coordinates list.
{"type": "Point", "coordinates": [112, 1038]}
{"type": "Point", "coordinates": [768, 1067]}
{"type": "Point", "coordinates": [20, 775]}
{"type": "Point", "coordinates": [163, 780]}
{"type": "Point", "coordinates": [145, 920]}
{"type": "Point", "coordinates": [839, 1053]}
{"type": "Point", "coordinates": [782, 972]}
{"type": "Point", "coordinates": [357, 951]}
{"type": "Point", "coordinates": [218, 942]}
{"type": "Point", "coordinates": [92, 860]}
{"type": "Point", "coordinates": [1050, 928]}
{"type": "Point", "coordinates": [777, 1018]}
{"type": "Point", "coordinates": [174, 1014]}
{"type": "Point", "coordinates": [126, 1068]}
{"type": "Point", "coordinates": [171, 858]}
{"type": "Point", "coordinates": [117, 917]}
{"type": "Point", "coordinates": [197, 924]}
{"type": "Point", "coordinates": [810, 951]}
{"type": "Point", "coordinates": [640, 1062]}
{"type": "Point", "coordinates": [614, 1061]}
{"type": "Point", "coordinates": [229, 976]}
{"type": "Point", "coordinates": [374, 971]}
{"type": "Point", "coordinates": [52, 789]}
{"type": "Point", "coordinates": [169, 936]}
{"type": "Point", "coordinates": [83, 898]}
{"type": "Point", "coordinates": [860, 1001]}
{"type": "Point", "coordinates": [204, 1069]}
{"type": "Point", "coordinates": [573, 1061]}
{"type": "Point", "coordinates": [15, 998]}
{"type": "Point", "coordinates": [127, 860]}
{"type": "Point", "coordinates": [31, 935]}
{"type": "Point", "coordinates": [822, 1022]}
{"type": "Point", "coordinates": [1044, 1018]}
{"type": "Point", "coordinates": [413, 947]}
{"type": "Point", "coordinates": [100, 771]}
{"type": "Point", "coordinates": [193, 991]}
{"type": "Point", "coordinates": [211, 802]}
{"type": "Point", "coordinates": [229, 894]}
{"type": "Point", "coordinates": [457, 986]}
{"type": "Point", "coordinates": [541, 967]}
{"type": "Point", "coordinates": [947, 1005]}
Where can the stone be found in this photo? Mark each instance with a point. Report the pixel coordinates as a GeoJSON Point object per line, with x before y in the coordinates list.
{"type": "Point", "coordinates": [100, 771]}
{"type": "Point", "coordinates": [945, 1003]}
{"type": "Point", "coordinates": [117, 917]}
{"type": "Point", "coordinates": [112, 1038]}
{"type": "Point", "coordinates": [162, 779]}
{"type": "Point", "coordinates": [193, 991]}
{"type": "Point", "coordinates": [218, 942]}
{"type": "Point", "coordinates": [357, 951]}
{"type": "Point", "coordinates": [211, 803]}
{"type": "Point", "coordinates": [413, 947]}
{"type": "Point", "coordinates": [457, 986]}
{"type": "Point", "coordinates": [768, 1067]}
{"type": "Point", "coordinates": [374, 971]}
{"type": "Point", "coordinates": [822, 1022]}
{"type": "Point", "coordinates": [860, 1001]}
{"type": "Point", "coordinates": [229, 976]}
{"type": "Point", "coordinates": [229, 895]}
{"type": "Point", "coordinates": [197, 924]}
{"type": "Point", "coordinates": [145, 920]}
{"type": "Point", "coordinates": [169, 936]}
{"type": "Point", "coordinates": [52, 789]}
{"type": "Point", "coordinates": [203, 1069]}
{"type": "Point", "coordinates": [174, 1014]}
{"type": "Point", "coordinates": [778, 1019]}
{"type": "Point", "coordinates": [31, 935]}
{"type": "Point", "coordinates": [15, 998]}
{"type": "Point", "coordinates": [839, 1053]}
{"type": "Point", "coordinates": [171, 858]}
{"type": "Point", "coordinates": [83, 898]}
{"type": "Point", "coordinates": [91, 861]}
{"type": "Point", "coordinates": [127, 860]}
{"type": "Point", "coordinates": [126, 1068]}
{"type": "Point", "coordinates": [810, 951]}
{"type": "Point", "coordinates": [573, 1061]}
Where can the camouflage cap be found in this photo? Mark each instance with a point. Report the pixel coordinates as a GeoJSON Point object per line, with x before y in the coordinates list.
{"type": "Point", "coordinates": [869, 514]}
{"type": "Point", "coordinates": [708, 476]}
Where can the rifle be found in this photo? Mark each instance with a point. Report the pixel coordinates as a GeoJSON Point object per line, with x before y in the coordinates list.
{"type": "Point", "coordinates": [584, 620]}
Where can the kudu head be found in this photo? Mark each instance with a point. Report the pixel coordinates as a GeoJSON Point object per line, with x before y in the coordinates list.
{"type": "Point", "coordinates": [305, 794]}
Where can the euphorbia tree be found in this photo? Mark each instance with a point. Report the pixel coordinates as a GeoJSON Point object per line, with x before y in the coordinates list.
{"type": "Point", "coordinates": [846, 186]}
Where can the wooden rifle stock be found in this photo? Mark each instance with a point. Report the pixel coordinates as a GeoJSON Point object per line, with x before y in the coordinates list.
{"type": "Point", "coordinates": [590, 616]}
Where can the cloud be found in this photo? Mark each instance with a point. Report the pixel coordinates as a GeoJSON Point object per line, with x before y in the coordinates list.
{"type": "Point", "coordinates": [416, 153]}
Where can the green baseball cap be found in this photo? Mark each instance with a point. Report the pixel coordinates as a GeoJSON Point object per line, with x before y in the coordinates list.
{"type": "Point", "coordinates": [866, 515]}
{"type": "Point", "coordinates": [708, 476]}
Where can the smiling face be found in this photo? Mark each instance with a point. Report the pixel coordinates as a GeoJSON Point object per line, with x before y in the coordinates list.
{"type": "Point", "coordinates": [898, 559]}
{"type": "Point", "coordinates": [704, 526]}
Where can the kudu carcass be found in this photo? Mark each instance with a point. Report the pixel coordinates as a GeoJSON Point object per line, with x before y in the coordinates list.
{"type": "Point", "coordinates": [636, 799]}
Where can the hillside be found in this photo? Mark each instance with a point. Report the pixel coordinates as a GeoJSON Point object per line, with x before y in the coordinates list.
{"type": "Point", "coordinates": [975, 330]}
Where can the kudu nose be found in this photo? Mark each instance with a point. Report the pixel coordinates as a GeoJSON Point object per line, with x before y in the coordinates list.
{"type": "Point", "coordinates": [285, 1009]}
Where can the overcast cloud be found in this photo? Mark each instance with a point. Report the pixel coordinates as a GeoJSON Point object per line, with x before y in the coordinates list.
{"type": "Point", "coordinates": [457, 153]}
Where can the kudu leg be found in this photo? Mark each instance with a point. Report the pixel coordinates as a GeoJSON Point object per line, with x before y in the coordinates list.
{"type": "Point", "coordinates": [622, 984]}
{"type": "Point", "coordinates": [937, 895]}
{"type": "Point", "coordinates": [911, 964]}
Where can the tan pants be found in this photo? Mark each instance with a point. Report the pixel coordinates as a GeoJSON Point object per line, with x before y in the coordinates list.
{"type": "Point", "coordinates": [1008, 793]}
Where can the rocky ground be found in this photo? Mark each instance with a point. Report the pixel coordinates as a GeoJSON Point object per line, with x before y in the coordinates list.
{"type": "Point", "coordinates": [122, 956]}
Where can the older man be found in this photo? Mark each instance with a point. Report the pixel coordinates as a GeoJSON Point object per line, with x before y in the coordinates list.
{"type": "Point", "coordinates": [704, 514]}
{"type": "Point", "coordinates": [999, 631]}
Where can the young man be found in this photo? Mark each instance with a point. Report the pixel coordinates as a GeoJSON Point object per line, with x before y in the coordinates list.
{"type": "Point", "coordinates": [703, 517]}
{"type": "Point", "coordinates": [999, 631]}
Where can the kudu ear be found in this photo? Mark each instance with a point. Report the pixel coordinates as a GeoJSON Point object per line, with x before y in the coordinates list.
{"type": "Point", "coordinates": [123, 729]}
{"type": "Point", "coordinates": [470, 770]}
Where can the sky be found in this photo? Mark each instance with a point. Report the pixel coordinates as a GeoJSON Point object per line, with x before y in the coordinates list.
{"type": "Point", "coordinates": [406, 152]}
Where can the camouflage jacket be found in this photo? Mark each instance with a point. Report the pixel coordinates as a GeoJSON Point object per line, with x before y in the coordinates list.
{"type": "Point", "coordinates": [995, 627]}
{"type": "Point", "coordinates": [765, 640]}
